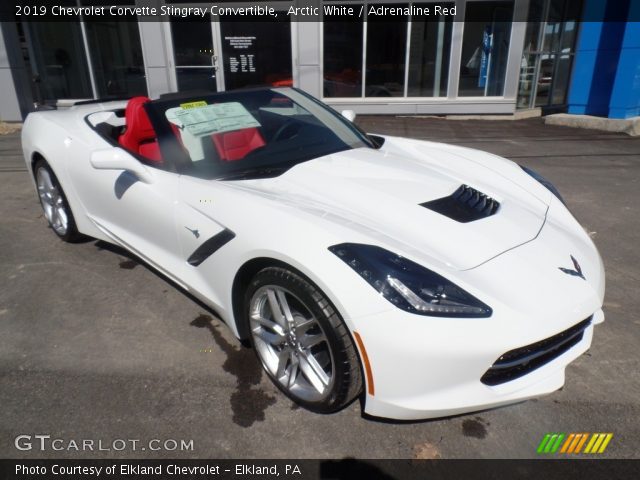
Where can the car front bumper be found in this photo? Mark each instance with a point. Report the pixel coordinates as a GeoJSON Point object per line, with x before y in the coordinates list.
{"type": "Point", "coordinates": [431, 378]}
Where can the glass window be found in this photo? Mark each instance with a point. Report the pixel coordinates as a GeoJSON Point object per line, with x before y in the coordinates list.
{"type": "Point", "coordinates": [116, 57]}
{"type": "Point", "coordinates": [526, 81]}
{"type": "Point", "coordinates": [342, 57]}
{"type": "Point", "coordinates": [485, 48]}
{"type": "Point", "coordinates": [534, 21]}
{"type": "Point", "coordinates": [561, 84]}
{"type": "Point", "coordinates": [529, 58]}
{"type": "Point", "coordinates": [429, 56]}
{"type": "Point", "coordinates": [58, 60]}
{"type": "Point", "coordinates": [545, 78]}
{"type": "Point", "coordinates": [386, 47]}
{"type": "Point", "coordinates": [192, 41]}
{"type": "Point", "coordinates": [256, 52]}
{"type": "Point", "coordinates": [553, 28]}
{"type": "Point", "coordinates": [193, 53]}
{"type": "Point", "coordinates": [556, 52]}
{"type": "Point", "coordinates": [570, 28]}
{"type": "Point", "coordinates": [196, 79]}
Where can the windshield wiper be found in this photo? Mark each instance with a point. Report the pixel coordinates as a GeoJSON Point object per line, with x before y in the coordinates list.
{"type": "Point", "coordinates": [256, 172]}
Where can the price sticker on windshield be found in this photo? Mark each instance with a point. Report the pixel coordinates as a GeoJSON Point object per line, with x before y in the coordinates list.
{"type": "Point", "coordinates": [199, 103]}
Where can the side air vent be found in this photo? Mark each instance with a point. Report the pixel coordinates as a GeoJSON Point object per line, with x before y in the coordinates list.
{"type": "Point", "coordinates": [464, 205]}
{"type": "Point", "coordinates": [210, 246]}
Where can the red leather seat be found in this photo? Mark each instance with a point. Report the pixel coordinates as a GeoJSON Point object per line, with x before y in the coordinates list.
{"type": "Point", "coordinates": [235, 145]}
{"type": "Point", "coordinates": [139, 136]}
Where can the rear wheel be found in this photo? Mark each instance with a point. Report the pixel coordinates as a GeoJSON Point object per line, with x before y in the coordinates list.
{"type": "Point", "coordinates": [302, 341]}
{"type": "Point", "coordinates": [54, 203]}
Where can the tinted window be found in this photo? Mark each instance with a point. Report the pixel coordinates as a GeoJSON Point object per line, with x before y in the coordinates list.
{"type": "Point", "coordinates": [342, 57]}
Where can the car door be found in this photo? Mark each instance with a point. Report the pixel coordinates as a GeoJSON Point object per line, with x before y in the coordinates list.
{"type": "Point", "coordinates": [138, 215]}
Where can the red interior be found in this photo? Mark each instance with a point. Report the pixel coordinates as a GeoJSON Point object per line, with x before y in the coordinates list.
{"type": "Point", "coordinates": [235, 145]}
{"type": "Point", "coordinates": [139, 136]}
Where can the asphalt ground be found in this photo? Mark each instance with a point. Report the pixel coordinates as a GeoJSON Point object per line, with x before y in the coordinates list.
{"type": "Point", "coordinates": [95, 345]}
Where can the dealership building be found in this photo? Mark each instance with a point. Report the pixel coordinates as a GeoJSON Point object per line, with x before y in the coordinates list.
{"type": "Point", "coordinates": [506, 56]}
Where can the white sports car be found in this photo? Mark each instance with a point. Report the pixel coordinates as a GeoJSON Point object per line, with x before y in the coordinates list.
{"type": "Point", "coordinates": [431, 279]}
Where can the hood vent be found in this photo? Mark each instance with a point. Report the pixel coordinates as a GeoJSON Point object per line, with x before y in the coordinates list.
{"type": "Point", "coordinates": [464, 205]}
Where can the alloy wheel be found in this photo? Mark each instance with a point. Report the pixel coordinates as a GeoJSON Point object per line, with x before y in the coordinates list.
{"type": "Point", "coordinates": [291, 344]}
{"type": "Point", "coordinates": [52, 202]}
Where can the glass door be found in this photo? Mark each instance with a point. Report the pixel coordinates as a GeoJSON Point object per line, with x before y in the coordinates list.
{"type": "Point", "coordinates": [195, 54]}
{"type": "Point", "coordinates": [220, 53]}
{"type": "Point", "coordinates": [548, 53]}
{"type": "Point", "coordinates": [256, 52]}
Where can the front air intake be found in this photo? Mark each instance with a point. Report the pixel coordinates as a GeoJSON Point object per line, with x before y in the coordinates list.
{"type": "Point", "coordinates": [517, 363]}
{"type": "Point", "coordinates": [464, 205]}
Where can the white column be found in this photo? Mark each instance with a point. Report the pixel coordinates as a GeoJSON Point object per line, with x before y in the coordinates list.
{"type": "Point", "coordinates": [457, 35]}
{"type": "Point", "coordinates": [516, 47]}
{"type": "Point", "coordinates": [308, 38]}
{"type": "Point", "coordinates": [158, 65]}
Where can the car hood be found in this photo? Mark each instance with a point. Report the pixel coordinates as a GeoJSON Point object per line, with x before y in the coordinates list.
{"type": "Point", "coordinates": [383, 192]}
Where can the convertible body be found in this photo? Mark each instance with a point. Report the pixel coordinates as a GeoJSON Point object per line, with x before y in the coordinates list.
{"type": "Point", "coordinates": [533, 279]}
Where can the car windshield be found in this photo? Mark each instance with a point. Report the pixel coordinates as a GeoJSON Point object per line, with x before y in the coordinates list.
{"type": "Point", "coordinates": [250, 133]}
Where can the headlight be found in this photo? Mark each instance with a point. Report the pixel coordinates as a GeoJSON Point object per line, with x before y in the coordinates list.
{"type": "Point", "coordinates": [408, 285]}
{"type": "Point", "coordinates": [546, 183]}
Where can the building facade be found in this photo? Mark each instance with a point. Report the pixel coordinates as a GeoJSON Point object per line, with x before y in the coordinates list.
{"type": "Point", "coordinates": [506, 55]}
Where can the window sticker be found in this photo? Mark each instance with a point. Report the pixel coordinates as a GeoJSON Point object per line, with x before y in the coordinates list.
{"type": "Point", "coordinates": [199, 103]}
{"type": "Point", "coordinates": [209, 119]}
{"type": "Point", "coordinates": [188, 141]}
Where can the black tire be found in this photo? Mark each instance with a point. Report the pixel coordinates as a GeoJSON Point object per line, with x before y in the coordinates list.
{"type": "Point", "coordinates": [70, 233]}
{"type": "Point", "coordinates": [346, 378]}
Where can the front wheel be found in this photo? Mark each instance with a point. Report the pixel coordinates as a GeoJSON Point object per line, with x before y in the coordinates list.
{"type": "Point", "coordinates": [54, 203]}
{"type": "Point", "coordinates": [301, 340]}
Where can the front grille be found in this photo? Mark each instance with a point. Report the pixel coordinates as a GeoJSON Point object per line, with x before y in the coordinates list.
{"type": "Point", "coordinates": [464, 205]}
{"type": "Point", "coordinates": [516, 363]}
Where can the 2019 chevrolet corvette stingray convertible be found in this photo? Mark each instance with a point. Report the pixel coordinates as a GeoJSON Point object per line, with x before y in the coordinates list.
{"type": "Point", "coordinates": [431, 279]}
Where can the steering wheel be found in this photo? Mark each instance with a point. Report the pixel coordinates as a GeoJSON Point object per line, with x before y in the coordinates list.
{"type": "Point", "coordinates": [290, 126]}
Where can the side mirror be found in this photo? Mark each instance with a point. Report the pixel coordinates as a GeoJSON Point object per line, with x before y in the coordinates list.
{"type": "Point", "coordinates": [117, 159]}
{"type": "Point", "coordinates": [349, 115]}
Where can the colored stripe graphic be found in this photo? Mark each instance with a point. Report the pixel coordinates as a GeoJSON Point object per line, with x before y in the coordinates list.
{"type": "Point", "coordinates": [606, 442]}
{"type": "Point", "coordinates": [581, 442]}
{"type": "Point", "coordinates": [598, 442]}
{"type": "Point", "coordinates": [567, 443]}
{"type": "Point", "coordinates": [550, 443]}
{"type": "Point", "coordinates": [591, 442]}
{"type": "Point", "coordinates": [557, 444]}
{"type": "Point", "coordinates": [572, 443]}
{"type": "Point", "coordinates": [543, 443]}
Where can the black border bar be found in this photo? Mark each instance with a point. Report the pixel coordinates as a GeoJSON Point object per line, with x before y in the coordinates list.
{"type": "Point", "coordinates": [343, 469]}
{"type": "Point", "coordinates": [310, 11]}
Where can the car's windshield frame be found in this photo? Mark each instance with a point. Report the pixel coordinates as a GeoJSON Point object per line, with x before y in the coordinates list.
{"type": "Point", "coordinates": [172, 150]}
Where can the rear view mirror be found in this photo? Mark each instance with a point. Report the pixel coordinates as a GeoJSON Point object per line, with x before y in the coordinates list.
{"type": "Point", "coordinates": [117, 159]}
{"type": "Point", "coordinates": [349, 115]}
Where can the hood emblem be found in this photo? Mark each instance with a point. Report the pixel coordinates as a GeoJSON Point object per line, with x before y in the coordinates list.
{"type": "Point", "coordinates": [195, 231]}
{"type": "Point", "coordinates": [577, 272]}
